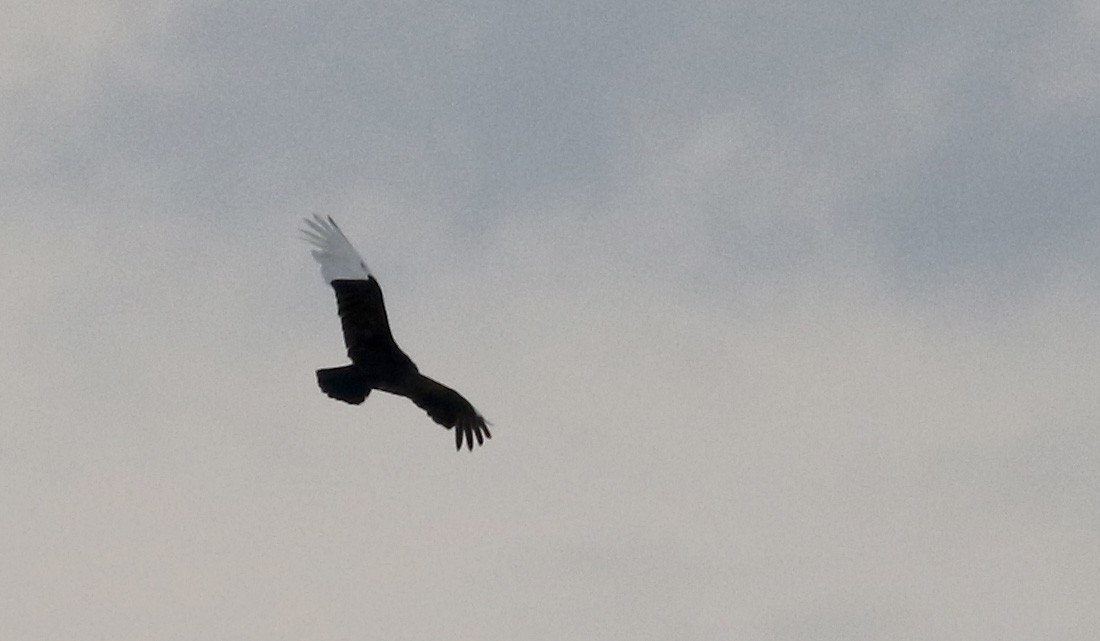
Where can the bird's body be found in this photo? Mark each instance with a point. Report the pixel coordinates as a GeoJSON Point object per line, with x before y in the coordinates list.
{"type": "Point", "coordinates": [376, 360]}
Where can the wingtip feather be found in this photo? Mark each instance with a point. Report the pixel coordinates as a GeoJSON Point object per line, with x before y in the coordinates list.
{"type": "Point", "coordinates": [334, 252]}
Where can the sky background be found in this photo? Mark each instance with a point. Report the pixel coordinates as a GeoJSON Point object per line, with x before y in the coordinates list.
{"type": "Point", "coordinates": [786, 316]}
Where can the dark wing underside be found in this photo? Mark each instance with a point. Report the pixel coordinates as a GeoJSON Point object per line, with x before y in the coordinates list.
{"type": "Point", "coordinates": [366, 328]}
{"type": "Point", "coordinates": [448, 408]}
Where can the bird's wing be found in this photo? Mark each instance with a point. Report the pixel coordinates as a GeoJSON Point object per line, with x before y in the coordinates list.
{"type": "Point", "coordinates": [366, 328]}
{"type": "Point", "coordinates": [358, 295]}
{"type": "Point", "coordinates": [333, 250]}
{"type": "Point", "coordinates": [448, 408]}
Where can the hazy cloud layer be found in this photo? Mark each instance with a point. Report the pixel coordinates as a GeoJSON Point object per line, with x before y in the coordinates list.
{"type": "Point", "coordinates": [786, 318]}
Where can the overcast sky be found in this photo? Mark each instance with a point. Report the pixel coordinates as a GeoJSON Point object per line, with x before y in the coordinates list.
{"type": "Point", "coordinates": [786, 316]}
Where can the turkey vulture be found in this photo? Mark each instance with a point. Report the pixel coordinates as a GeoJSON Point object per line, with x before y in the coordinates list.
{"type": "Point", "coordinates": [376, 360]}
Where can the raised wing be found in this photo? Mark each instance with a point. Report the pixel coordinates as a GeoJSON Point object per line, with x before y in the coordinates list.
{"type": "Point", "coordinates": [358, 299]}
{"type": "Point", "coordinates": [366, 328]}
{"type": "Point", "coordinates": [448, 408]}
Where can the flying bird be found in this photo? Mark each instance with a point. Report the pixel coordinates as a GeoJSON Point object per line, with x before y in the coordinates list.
{"type": "Point", "coordinates": [376, 360]}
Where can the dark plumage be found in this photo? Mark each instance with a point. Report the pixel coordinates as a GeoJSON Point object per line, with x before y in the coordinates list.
{"type": "Point", "coordinates": [376, 360]}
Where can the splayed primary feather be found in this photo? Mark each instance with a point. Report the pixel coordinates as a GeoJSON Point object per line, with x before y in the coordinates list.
{"type": "Point", "coordinates": [338, 259]}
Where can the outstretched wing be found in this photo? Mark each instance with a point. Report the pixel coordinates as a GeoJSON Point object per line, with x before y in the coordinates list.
{"type": "Point", "coordinates": [448, 408]}
{"type": "Point", "coordinates": [358, 295]}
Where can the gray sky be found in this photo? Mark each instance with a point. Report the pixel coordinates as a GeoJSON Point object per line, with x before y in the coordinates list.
{"type": "Point", "coordinates": [787, 317]}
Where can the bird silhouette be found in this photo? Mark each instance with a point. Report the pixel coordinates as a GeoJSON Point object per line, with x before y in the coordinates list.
{"type": "Point", "coordinates": [376, 360]}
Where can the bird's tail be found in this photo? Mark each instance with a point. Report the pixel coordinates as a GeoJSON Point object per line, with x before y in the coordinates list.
{"type": "Point", "coordinates": [344, 384]}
